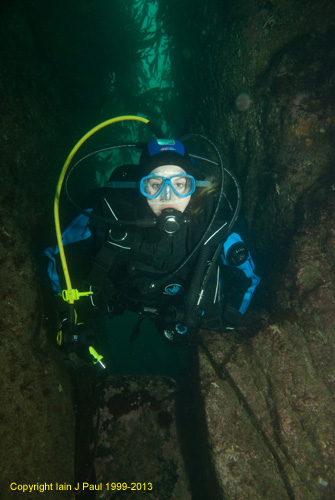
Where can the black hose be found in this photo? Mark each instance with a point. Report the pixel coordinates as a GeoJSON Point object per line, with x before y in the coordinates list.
{"type": "Point", "coordinates": [97, 218]}
{"type": "Point", "coordinates": [156, 130]}
{"type": "Point", "coordinates": [204, 268]}
{"type": "Point", "coordinates": [191, 314]}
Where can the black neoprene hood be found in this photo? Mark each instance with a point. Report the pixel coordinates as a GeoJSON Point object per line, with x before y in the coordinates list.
{"type": "Point", "coordinates": [149, 162]}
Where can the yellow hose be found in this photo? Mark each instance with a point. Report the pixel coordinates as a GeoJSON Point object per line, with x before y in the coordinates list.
{"type": "Point", "coordinates": [71, 294]}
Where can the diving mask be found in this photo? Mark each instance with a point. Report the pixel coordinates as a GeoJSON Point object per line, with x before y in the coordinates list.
{"type": "Point", "coordinates": [153, 186]}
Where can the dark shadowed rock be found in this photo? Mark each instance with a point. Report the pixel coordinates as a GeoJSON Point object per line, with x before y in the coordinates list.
{"type": "Point", "coordinates": [135, 439]}
{"type": "Point", "coordinates": [269, 399]}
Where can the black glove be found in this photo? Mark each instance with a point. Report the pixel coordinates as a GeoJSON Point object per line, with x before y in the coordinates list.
{"type": "Point", "coordinates": [75, 337]}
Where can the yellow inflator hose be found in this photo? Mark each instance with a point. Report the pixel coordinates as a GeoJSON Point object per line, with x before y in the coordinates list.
{"type": "Point", "coordinates": [70, 295]}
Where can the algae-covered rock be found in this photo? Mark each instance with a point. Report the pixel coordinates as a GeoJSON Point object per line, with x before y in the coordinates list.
{"type": "Point", "coordinates": [269, 399]}
{"type": "Point", "coordinates": [133, 448]}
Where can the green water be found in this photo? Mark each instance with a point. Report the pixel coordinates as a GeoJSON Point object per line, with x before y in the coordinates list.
{"type": "Point", "coordinates": [148, 354]}
{"type": "Point", "coordinates": [115, 58]}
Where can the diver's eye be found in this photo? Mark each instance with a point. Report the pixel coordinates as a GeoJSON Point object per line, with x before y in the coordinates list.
{"type": "Point", "coordinates": [179, 185]}
{"type": "Point", "coordinates": [154, 185]}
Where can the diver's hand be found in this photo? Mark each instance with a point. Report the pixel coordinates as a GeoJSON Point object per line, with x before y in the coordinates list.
{"type": "Point", "coordinates": [78, 339]}
{"type": "Point", "coordinates": [75, 338]}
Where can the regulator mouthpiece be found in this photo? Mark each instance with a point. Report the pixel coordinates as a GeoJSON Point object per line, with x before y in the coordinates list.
{"type": "Point", "coordinates": [171, 220]}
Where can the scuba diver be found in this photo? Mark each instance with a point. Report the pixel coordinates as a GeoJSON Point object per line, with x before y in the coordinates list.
{"type": "Point", "coordinates": [161, 239]}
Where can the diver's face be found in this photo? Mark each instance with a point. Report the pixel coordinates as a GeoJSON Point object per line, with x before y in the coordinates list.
{"type": "Point", "coordinates": [168, 198]}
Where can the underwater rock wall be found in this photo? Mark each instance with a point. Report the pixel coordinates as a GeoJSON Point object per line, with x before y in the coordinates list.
{"type": "Point", "coordinates": [36, 413]}
{"type": "Point", "coordinates": [280, 57]}
{"type": "Point", "coordinates": [268, 388]}
{"type": "Point", "coordinates": [269, 398]}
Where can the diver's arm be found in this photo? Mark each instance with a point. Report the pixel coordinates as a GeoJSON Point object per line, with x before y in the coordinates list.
{"type": "Point", "coordinates": [236, 256]}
